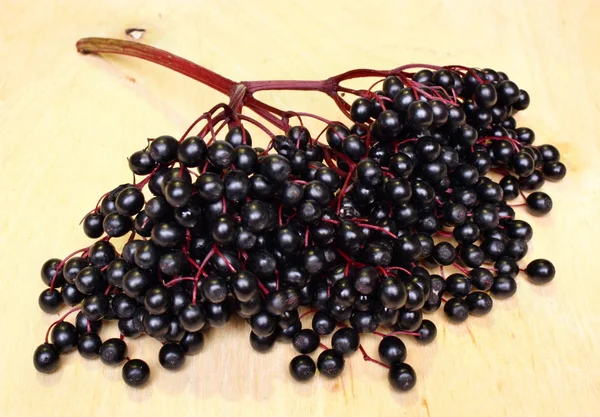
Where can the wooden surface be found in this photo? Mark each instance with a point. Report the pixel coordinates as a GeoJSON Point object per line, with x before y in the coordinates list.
{"type": "Point", "coordinates": [69, 121]}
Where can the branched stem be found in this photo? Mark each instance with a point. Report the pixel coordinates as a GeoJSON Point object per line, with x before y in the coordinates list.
{"type": "Point", "coordinates": [240, 94]}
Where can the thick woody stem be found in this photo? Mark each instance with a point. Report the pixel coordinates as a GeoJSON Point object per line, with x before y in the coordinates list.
{"type": "Point", "coordinates": [158, 56]}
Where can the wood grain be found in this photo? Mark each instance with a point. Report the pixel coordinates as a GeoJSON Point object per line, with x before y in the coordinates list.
{"type": "Point", "coordinates": [69, 121]}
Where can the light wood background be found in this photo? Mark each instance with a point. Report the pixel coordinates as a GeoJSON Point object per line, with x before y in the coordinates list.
{"type": "Point", "coordinates": [68, 122]}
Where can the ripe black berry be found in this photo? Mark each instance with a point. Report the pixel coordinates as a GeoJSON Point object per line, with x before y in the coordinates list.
{"type": "Point", "coordinates": [192, 342]}
{"type": "Point", "coordinates": [46, 358]}
{"type": "Point", "coordinates": [136, 373]}
{"type": "Point", "coordinates": [330, 363]}
{"type": "Point", "coordinates": [171, 356]}
{"type": "Point", "coordinates": [163, 149]}
{"type": "Point", "coordinates": [64, 337]}
{"type": "Point", "coordinates": [479, 303]}
{"type": "Point", "coordinates": [89, 345]}
{"type": "Point", "coordinates": [427, 332]}
{"type": "Point", "coordinates": [92, 225]}
{"type": "Point", "coordinates": [504, 287]}
{"type": "Point", "coordinates": [141, 162]}
{"type": "Point", "coordinates": [192, 317]}
{"type": "Point", "coordinates": [95, 307]}
{"type": "Point", "coordinates": [220, 154]}
{"type": "Point", "coordinates": [402, 377]}
{"type": "Point", "coordinates": [262, 344]}
{"type": "Point", "coordinates": [392, 350]}
{"type": "Point", "coordinates": [540, 271]}
{"type": "Point", "coordinates": [456, 310]}
{"type": "Point", "coordinates": [129, 201]}
{"type": "Point", "coordinates": [323, 323]}
{"type": "Point", "coordinates": [50, 301]}
{"type": "Point", "coordinates": [539, 203]}
{"type": "Point", "coordinates": [302, 368]}
{"type": "Point", "coordinates": [361, 109]}
{"type": "Point", "coordinates": [113, 352]}
{"type": "Point", "coordinates": [345, 341]}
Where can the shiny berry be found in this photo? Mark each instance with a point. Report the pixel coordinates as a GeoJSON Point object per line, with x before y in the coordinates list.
{"type": "Point", "coordinates": [330, 363]}
{"type": "Point", "coordinates": [171, 356]}
{"type": "Point", "coordinates": [46, 358]}
{"type": "Point", "coordinates": [89, 345]}
{"type": "Point", "coordinates": [302, 368]}
{"type": "Point", "coordinates": [345, 341]}
{"type": "Point", "coordinates": [135, 373]}
{"type": "Point", "coordinates": [64, 337]}
{"type": "Point", "coordinates": [113, 352]}
{"type": "Point", "coordinates": [540, 271]}
{"type": "Point", "coordinates": [402, 377]}
{"type": "Point", "coordinates": [539, 203]}
{"type": "Point", "coordinates": [392, 350]}
{"type": "Point", "coordinates": [456, 310]}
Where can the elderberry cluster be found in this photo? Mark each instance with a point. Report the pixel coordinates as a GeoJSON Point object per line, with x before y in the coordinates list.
{"type": "Point", "coordinates": [400, 213]}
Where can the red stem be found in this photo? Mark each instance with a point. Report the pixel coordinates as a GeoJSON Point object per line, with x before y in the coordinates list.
{"type": "Point", "coordinates": [349, 260]}
{"type": "Point", "coordinates": [404, 333]}
{"type": "Point", "coordinates": [378, 228]}
{"type": "Point", "coordinates": [460, 268]}
{"type": "Point", "coordinates": [158, 56]}
{"type": "Point", "coordinates": [398, 268]}
{"type": "Point", "coordinates": [262, 287]}
{"type": "Point", "coordinates": [74, 309]}
{"type": "Point", "coordinates": [306, 313]}
{"type": "Point", "coordinates": [370, 359]}
{"type": "Point", "coordinates": [200, 269]}
{"type": "Point", "coordinates": [61, 264]}
{"type": "Point", "coordinates": [344, 188]}
{"type": "Point", "coordinates": [325, 86]}
{"type": "Point", "coordinates": [218, 252]}
{"type": "Point", "coordinates": [178, 280]}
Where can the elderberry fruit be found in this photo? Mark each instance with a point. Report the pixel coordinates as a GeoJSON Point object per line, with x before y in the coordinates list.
{"type": "Point", "coordinates": [539, 203]}
{"type": "Point", "coordinates": [262, 344]}
{"type": "Point", "coordinates": [323, 323]}
{"type": "Point", "coordinates": [88, 345]}
{"type": "Point", "coordinates": [456, 310]}
{"type": "Point", "coordinates": [503, 287]}
{"type": "Point", "coordinates": [64, 337]}
{"type": "Point", "coordinates": [50, 301]}
{"type": "Point", "coordinates": [330, 363]}
{"type": "Point", "coordinates": [113, 352]}
{"type": "Point", "coordinates": [135, 373]}
{"type": "Point", "coordinates": [306, 341]}
{"type": "Point", "coordinates": [346, 228]}
{"type": "Point", "coordinates": [302, 368]}
{"type": "Point", "coordinates": [427, 332]}
{"type": "Point", "coordinates": [402, 377]}
{"type": "Point", "coordinates": [192, 342]}
{"type": "Point", "coordinates": [95, 307]}
{"type": "Point", "coordinates": [92, 225]}
{"type": "Point", "coordinates": [46, 358]}
{"type": "Point", "coordinates": [540, 271]}
{"type": "Point", "coordinates": [345, 341]}
{"type": "Point", "coordinates": [171, 356]}
{"type": "Point", "coordinates": [392, 350]}
{"type": "Point", "coordinates": [479, 303]}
